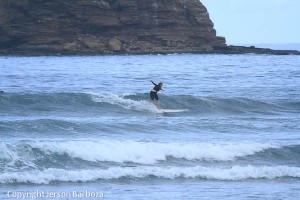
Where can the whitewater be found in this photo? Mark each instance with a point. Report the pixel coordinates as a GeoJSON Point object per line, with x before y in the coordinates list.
{"type": "Point", "coordinates": [86, 125]}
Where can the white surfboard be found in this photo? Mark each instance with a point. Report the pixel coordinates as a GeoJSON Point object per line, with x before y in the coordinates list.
{"type": "Point", "coordinates": [173, 110]}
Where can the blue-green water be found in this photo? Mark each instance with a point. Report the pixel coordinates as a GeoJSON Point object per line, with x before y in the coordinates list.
{"type": "Point", "coordinates": [86, 124]}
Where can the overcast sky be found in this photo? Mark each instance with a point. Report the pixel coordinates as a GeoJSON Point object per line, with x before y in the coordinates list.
{"type": "Point", "coordinates": [256, 21]}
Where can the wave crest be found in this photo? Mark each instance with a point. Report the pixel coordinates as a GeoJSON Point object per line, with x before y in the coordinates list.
{"type": "Point", "coordinates": [131, 151]}
{"type": "Point", "coordinates": [235, 173]}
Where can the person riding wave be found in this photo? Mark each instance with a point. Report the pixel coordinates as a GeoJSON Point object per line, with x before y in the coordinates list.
{"type": "Point", "coordinates": [153, 94]}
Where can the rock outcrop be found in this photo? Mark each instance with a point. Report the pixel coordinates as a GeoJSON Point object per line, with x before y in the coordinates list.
{"type": "Point", "coordinates": [86, 27]}
{"type": "Point", "coordinates": [105, 26]}
{"type": "Point", "coordinates": [252, 49]}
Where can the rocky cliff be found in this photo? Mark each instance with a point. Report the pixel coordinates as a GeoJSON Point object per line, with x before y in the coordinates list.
{"type": "Point", "coordinates": [105, 26]}
{"type": "Point", "coordinates": [50, 27]}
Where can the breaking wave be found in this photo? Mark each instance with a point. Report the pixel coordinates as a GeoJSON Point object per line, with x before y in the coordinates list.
{"type": "Point", "coordinates": [129, 151]}
{"type": "Point", "coordinates": [234, 173]}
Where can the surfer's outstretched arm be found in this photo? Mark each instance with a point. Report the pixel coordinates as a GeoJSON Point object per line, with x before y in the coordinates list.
{"type": "Point", "coordinates": [153, 83]}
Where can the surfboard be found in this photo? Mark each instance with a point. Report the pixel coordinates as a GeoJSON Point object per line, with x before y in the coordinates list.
{"type": "Point", "coordinates": [173, 110]}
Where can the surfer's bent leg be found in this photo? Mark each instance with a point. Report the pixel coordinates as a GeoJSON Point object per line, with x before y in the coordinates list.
{"type": "Point", "coordinates": [157, 101]}
{"type": "Point", "coordinates": [158, 104]}
{"type": "Point", "coordinates": [153, 95]}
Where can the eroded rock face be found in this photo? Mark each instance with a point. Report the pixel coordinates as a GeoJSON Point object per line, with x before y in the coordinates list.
{"type": "Point", "coordinates": [106, 26]}
{"type": "Point", "coordinates": [114, 45]}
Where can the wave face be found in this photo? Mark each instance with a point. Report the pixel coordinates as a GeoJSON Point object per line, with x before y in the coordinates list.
{"type": "Point", "coordinates": [91, 101]}
{"type": "Point", "coordinates": [90, 114]}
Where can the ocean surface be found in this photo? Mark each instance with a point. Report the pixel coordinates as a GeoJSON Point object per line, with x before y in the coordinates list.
{"type": "Point", "coordinates": [84, 127]}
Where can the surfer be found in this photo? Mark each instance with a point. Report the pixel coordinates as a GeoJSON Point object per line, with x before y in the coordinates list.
{"type": "Point", "coordinates": [153, 93]}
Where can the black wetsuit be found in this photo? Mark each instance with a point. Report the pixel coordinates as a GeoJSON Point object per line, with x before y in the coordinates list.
{"type": "Point", "coordinates": [153, 92]}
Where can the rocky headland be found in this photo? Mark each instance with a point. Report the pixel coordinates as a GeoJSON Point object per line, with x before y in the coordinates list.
{"type": "Point", "coordinates": [97, 27]}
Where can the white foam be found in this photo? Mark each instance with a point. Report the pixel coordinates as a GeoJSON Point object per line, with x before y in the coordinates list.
{"type": "Point", "coordinates": [5, 152]}
{"type": "Point", "coordinates": [119, 100]}
{"type": "Point", "coordinates": [149, 152]}
{"type": "Point", "coordinates": [11, 155]}
{"type": "Point", "coordinates": [235, 173]}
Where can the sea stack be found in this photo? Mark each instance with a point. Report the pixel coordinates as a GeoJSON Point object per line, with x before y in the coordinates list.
{"type": "Point", "coordinates": [106, 26]}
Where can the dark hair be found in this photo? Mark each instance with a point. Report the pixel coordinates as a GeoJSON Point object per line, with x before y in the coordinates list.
{"type": "Point", "coordinates": [160, 84]}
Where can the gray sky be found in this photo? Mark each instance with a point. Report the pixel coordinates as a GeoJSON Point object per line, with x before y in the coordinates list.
{"type": "Point", "coordinates": [256, 21]}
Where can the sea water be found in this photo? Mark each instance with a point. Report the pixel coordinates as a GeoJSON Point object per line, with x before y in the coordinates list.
{"type": "Point", "coordinates": [84, 127]}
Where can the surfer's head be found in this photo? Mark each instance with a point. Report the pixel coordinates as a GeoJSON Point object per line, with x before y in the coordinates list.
{"type": "Point", "coordinates": [160, 85]}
